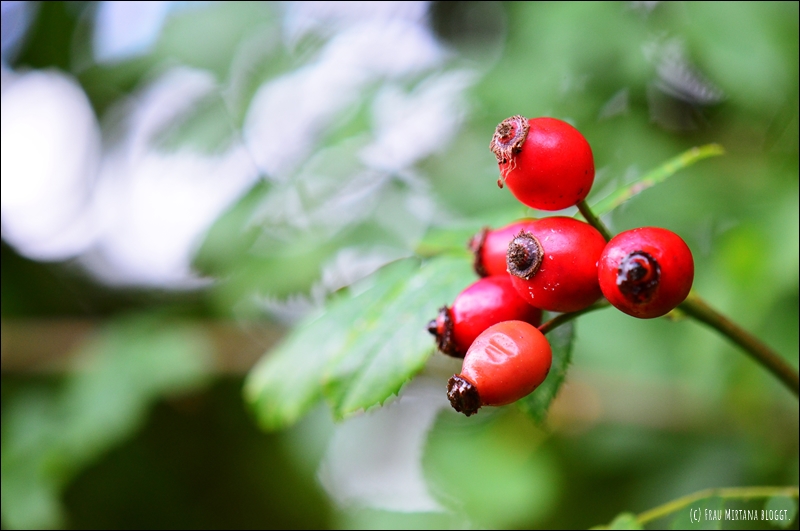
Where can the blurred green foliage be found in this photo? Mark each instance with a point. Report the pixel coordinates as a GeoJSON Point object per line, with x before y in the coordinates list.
{"type": "Point", "coordinates": [561, 339]}
{"type": "Point", "coordinates": [668, 408]}
{"type": "Point", "coordinates": [50, 433]}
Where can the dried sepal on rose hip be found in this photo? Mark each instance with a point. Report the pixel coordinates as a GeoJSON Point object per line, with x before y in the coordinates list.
{"type": "Point", "coordinates": [545, 162]}
{"type": "Point", "coordinates": [553, 264]}
{"type": "Point", "coordinates": [489, 247]}
{"type": "Point", "coordinates": [506, 362]}
{"type": "Point", "coordinates": [646, 272]}
{"type": "Point", "coordinates": [486, 302]}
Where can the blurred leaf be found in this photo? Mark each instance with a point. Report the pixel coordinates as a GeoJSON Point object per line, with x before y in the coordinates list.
{"type": "Point", "coordinates": [625, 521]}
{"type": "Point", "coordinates": [599, 51]}
{"type": "Point", "coordinates": [209, 35]}
{"type": "Point", "coordinates": [360, 518]}
{"type": "Point", "coordinates": [488, 469]}
{"type": "Point", "coordinates": [656, 176]}
{"type": "Point", "coordinates": [133, 362]}
{"type": "Point", "coordinates": [207, 128]}
{"type": "Point", "coordinates": [538, 402]}
{"type": "Point", "coordinates": [750, 50]}
{"type": "Point", "coordinates": [442, 240]}
{"type": "Point", "coordinates": [29, 493]}
{"type": "Point", "coordinates": [49, 437]}
{"type": "Point", "coordinates": [366, 344]}
{"type": "Point", "coordinates": [256, 258]}
{"type": "Point", "coordinates": [454, 238]}
{"type": "Point", "coordinates": [48, 43]}
{"type": "Point", "coordinates": [227, 241]}
{"type": "Point", "coordinates": [782, 503]}
{"type": "Point", "coordinates": [277, 240]}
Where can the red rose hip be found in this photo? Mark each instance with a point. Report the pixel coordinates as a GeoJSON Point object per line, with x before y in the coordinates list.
{"type": "Point", "coordinates": [486, 302]}
{"type": "Point", "coordinates": [489, 247]}
{"type": "Point", "coordinates": [545, 162]}
{"type": "Point", "coordinates": [646, 272]}
{"type": "Point", "coordinates": [505, 363]}
{"type": "Point", "coordinates": [553, 264]}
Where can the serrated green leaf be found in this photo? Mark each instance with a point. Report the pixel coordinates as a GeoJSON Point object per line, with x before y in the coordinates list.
{"type": "Point", "coordinates": [538, 402]}
{"type": "Point", "coordinates": [625, 521]}
{"type": "Point", "coordinates": [656, 176]}
{"type": "Point", "coordinates": [287, 381]}
{"type": "Point", "coordinates": [389, 344]}
{"type": "Point", "coordinates": [361, 349]}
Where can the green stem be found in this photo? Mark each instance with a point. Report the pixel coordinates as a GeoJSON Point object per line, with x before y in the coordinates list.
{"type": "Point", "coordinates": [733, 493]}
{"type": "Point", "coordinates": [593, 220]}
{"type": "Point", "coordinates": [658, 175]}
{"type": "Point", "coordinates": [559, 320]}
{"type": "Point", "coordinates": [774, 363]}
{"type": "Point", "coordinates": [696, 307]}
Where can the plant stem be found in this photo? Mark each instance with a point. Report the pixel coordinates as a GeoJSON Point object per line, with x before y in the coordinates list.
{"type": "Point", "coordinates": [593, 220]}
{"type": "Point", "coordinates": [737, 493]}
{"type": "Point", "coordinates": [696, 307]}
{"type": "Point", "coordinates": [658, 175]}
{"type": "Point", "coordinates": [559, 320]}
{"type": "Point", "coordinates": [774, 363]}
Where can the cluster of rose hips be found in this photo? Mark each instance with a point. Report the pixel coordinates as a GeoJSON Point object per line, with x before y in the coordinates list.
{"type": "Point", "coordinates": [558, 264]}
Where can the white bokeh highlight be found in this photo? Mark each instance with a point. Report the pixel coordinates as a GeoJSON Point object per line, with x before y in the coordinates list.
{"type": "Point", "coordinates": [288, 114]}
{"type": "Point", "coordinates": [375, 460]}
{"type": "Point", "coordinates": [155, 206]}
{"type": "Point", "coordinates": [50, 155]}
{"type": "Point", "coordinates": [127, 29]}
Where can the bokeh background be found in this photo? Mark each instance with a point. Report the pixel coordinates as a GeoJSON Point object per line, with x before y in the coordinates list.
{"type": "Point", "coordinates": [182, 182]}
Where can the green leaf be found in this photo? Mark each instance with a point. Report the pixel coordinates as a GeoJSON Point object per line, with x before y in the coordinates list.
{"type": "Point", "coordinates": [287, 381]}
{"type": "Point", "coordinates": [656, 176]}
{"type": "Point", "coordinates": [625, 521]}
{"type": "Point", "coordinates": [538, 402]}
{"type": "Point", "coordinates": [362, 349]}
{"type": "Point", "coordinates": [781, 511]}
{"type": "Point", "coordinates": [389, 343]}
